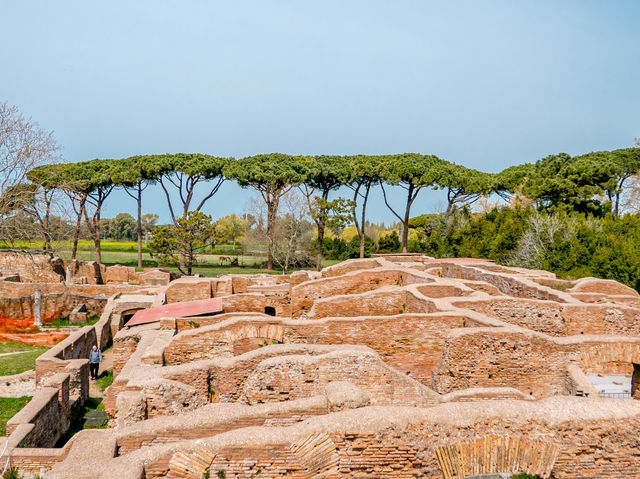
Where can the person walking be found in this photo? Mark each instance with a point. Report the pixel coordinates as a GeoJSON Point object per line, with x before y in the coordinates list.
{"type": "Point", "coordinates": [95, 358]}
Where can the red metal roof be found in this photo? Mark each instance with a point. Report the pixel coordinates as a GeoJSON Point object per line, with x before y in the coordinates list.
{"type": "Point", "coordinates": [176, 310]}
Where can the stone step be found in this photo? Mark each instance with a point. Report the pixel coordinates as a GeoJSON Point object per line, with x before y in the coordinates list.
{"type": "Point", "coordinates": [95, 419]}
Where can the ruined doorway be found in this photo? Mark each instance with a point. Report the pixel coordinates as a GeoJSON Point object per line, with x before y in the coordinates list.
{"type": "Point", "coordinates": [270, 310]}
{"type": "Point", "coordinates": [635, 382]}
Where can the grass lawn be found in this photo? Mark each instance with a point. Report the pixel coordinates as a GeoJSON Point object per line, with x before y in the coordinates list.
{"type": "Point", "coordinates": [64, 322]}
{"type": "Point", "coordinates": [8, 408]}
{"type": "Point", "coordinates": [105, 380]}
{"type": "Point", "coordinates": [17, 363]}
{"type": "Point", "coordinates": [78, 420]}
{"type": "Point", "coordinates": [14, 347]}
{"type": "Point", "coordinates": [126, 254]}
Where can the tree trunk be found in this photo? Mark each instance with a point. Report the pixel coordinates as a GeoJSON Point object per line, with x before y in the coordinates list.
{"type": "Point", "coordinates": [321, 223]}
{"type": "Point", "coordinates": [94, 228]}
{"type": "Point", "coordinates": [46, 243]}
{"type": "Point", "coordinates": [451, 197]}
{"type": "Point", "coordinates": [272, 208]}
{"type": "Point", "coordinates": [405, 222]}
{"type": "Point", "coordinates": [76, 233]}
{"type": "Point", "coordinates": [96, 242]}
{"type": "Point", "coordinates": [321, 227]}
{"type": "Point", "coordinates": [139, 225]}
{"type": "Point", "coordinates": [364, 211]}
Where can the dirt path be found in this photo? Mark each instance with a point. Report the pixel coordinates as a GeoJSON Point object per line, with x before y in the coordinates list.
{"type": "Point", "coordinates": [14, 353]}
{"type": "Point", "coordinates": [105, 365]}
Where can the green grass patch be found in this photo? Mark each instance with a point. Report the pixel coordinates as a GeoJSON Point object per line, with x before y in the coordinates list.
{"type": "Point", "coordinates": [24, 360]}
{"type": "Point", "coordinates": [105, 380]}
{"type": "Point", "coordinates": [15, 347]}
{"type": "Point", "coordinates": [9, 407]}
{"type": "Point", "coordinates": [64, 322]}
{"type": "Point", "coordinates": [78, 419]}
{"type": "Point", "coordinates": [126, 254]}
{"type": "Point", "coordinates": [18, 363]}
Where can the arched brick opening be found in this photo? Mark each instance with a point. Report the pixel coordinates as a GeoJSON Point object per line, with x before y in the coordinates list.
{"type": "Point", "coordinates": [635, 382]}
{"type": "Point", "coordinates": [128, 314]}
{"type": "Point", "coordinates": [614, 359]}
{"type": "Point", "coordinates": [611, 358]}
{"type": "Point", "coordinates": [248, 338]}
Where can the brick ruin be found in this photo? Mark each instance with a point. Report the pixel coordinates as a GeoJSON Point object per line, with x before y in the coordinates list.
{"type": "Point", "coordinates": [36, 290]}
{"type": "Point", "coordinates": [390, 367]}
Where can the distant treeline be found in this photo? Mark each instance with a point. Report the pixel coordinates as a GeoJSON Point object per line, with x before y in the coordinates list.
{"type": "Point", "coordinates": [589, 184]}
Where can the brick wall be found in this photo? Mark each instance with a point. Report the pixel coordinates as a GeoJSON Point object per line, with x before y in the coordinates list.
{"type": "Point", "coordinates": [507, 283]}
{"type": "Point", "coordinates": [557, 319]}
{"type": "Point", "coordinates": [213, 419]}
{"type": "Point", "coordinates": [48, 411]}
{"type": "Point", "coordinates": [294, 377]}
{"type": "Point", "coordinates": [590, 449]}
{"type": "Point", "coordinates": [412, 343]}
{"type": "Point", "coordinates": [384, 302]}
{"type": "Point", "coordinates": [304, 295]}
{"type": "Point", "coordinates": [496, 358]}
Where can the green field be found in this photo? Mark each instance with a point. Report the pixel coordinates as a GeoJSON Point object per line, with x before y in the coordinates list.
{"type": "Point", "coordinates": [14, 347]}
{"type": "Point", "coordinates": [64, 323]}
{"type": "Point", "coordinates": [18, 363]}
{"type": "Point", "coordinates": [105, 380]}
{"type": "Point", "coordinates": [126, 254]}
{"type": "Point", "coordinates": [9, 407]}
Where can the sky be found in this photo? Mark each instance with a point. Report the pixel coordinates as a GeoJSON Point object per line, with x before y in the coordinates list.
{"type": "Point", "coordinates": [483, 84]}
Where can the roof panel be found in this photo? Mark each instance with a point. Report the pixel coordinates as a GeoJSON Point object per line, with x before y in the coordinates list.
{"type": "Point", "coordinates": [176, 310]}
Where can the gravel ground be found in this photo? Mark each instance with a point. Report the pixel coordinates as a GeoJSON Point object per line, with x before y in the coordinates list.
{"type": "Point", "coordinates": [23, 384]}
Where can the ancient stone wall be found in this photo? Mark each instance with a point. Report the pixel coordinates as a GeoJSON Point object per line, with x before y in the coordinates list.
{"type": "Point", "coordinates": [48, 413]}
{"type": "Point", "coordinates": [305, 294]}
{"type": "Point", "coordinates": [215, 419]}
{"type": "Point", "coordinates": [338, 383]}
{"type": "Point", "coordinates": [412, 343]}
{"type": "Point", "coordinates": [560, 319]}
{"type": "Point", "coordinates": [294, 377]}
{"type": "Point", "coordinates": [595, 447]}
{"type": "Point", "coordinates": [385, 301]}
{"type": "Point", "coordinates": [488, 357]}
{"type": "Point", "coordinates": [507, 284]}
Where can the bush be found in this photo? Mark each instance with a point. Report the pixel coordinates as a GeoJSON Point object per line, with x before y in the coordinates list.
{"type": "Point", "coordinates": [570, 244]}
{"type": "Point", "coordinates": [353, 248]}
{"type": "Point", "coordinates": [389, 242]}
{"type": "Point", "coordinates": [337, 248]}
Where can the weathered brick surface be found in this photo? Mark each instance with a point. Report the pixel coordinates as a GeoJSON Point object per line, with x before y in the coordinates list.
{"type": "Point", "coordinates": [294, 377]}
{"type": "Point", "coordinates": [412, 343]}
{"type": "Point", "coordinates": [154, 277]}
{"type": "Point", "coordinates": [558, 319]}
{"type": "Point", "coordinates": [189, 289]}
{"type": "Point", "coordinates": [121, 274]}
{"type": "Point", "coordinates": [386, 301]}
{"type": "Point", "coordinates": [475, 331]}
{"type": "Point", "coordinates": [589, 448]}
{"type": "Point", "coordinates": [509, 284]}
{"type": "Point", "coordinates": [215, 419]}
{"type": "Point", "coordinates": [305, 294]}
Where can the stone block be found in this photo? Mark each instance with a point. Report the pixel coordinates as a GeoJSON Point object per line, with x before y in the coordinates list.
{"type": "Point", "coordinates": [154, 277]}
{"type": "Point", "coordinates": [120, 274]}
{"type": "Point", "coordinates": [188, 289]}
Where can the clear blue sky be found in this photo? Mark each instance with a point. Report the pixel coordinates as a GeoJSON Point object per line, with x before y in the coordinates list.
{"type": "Point", "coordinates": [484, 84]}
